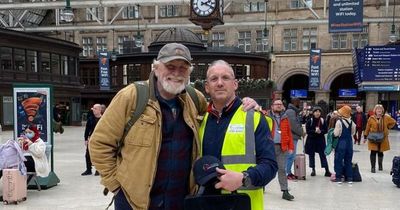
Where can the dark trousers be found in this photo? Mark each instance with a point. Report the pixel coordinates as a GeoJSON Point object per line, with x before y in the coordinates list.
{"type": "Point", "coordinates": [88, 161]}
{"type": "Point", "coordinates": [322, 157]}
{"type": "Point", "coordinates": [343, 159]}
{"type": "Point", "coordinates": [357, 135]}
{"type": "Point", "coordinates": [120, 202]}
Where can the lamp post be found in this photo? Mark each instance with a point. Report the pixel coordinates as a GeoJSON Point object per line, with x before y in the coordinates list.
{"type": "Point", "coordinates": [113, 53]}
{"type": "Point", "coordinates": [265, 30]}
{"type": "Point", "coordinates": [67, 14]}
{"type": "Point", "coordinates": [138, 37]}
{"type": "Point", "coordinates": [393, 36]}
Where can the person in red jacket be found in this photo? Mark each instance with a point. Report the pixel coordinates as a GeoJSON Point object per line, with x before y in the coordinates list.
{"type": "Point", "coordinates": [282, 137]}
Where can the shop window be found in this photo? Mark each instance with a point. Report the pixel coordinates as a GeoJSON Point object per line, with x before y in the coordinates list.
{"type": "Point", "coordinates": [45, 62]}
{"type": "Point", "coordinates": [32, 60]}
{"type": "Point", "coordinates": [19, 60]}
{"type": "Point", "coordinates": [5, 58]}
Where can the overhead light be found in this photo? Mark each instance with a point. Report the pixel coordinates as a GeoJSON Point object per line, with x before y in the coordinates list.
{"type": "Point", "coordinates": [113, 53]}
{"type": "Point", "coordinates": [138, 37]}
{"type": "Point", "coordinates": [393, 36]}
{"type": "Point", "coordinates": [67, 14]}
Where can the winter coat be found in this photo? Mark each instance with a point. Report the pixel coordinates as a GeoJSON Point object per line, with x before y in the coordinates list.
{"type": "Point", "coordinates": [136, 169]}
{"type": "Point", "coordinates": [295, 121]}
{"type": "Point", "coordinates": [315, 142]}
{"type": "Point", "coordinates": [372, 126]}
{"type": "Point", "coordinates": [363, 119]}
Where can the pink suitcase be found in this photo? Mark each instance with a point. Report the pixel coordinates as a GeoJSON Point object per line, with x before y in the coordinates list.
{"type": "Point", "coordinates": [14, 186]}
{"type": "Point", "coordinates": [300, 166]}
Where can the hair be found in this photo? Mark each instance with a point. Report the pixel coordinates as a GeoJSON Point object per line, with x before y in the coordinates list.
{"type": "Point", "coordinates": [221, 63]}
{"type": "Point", "coordinates": [377, 107]}
{"type": "Point", "coordinates": [156, 63]}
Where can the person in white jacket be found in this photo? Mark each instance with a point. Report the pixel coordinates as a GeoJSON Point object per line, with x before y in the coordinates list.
{"type": "Point", "coordinates": [34, 150]}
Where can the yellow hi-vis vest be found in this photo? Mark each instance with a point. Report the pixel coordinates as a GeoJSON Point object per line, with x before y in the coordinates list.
{"type": "Point", "coordinates": [269, 122]}
{"type": "Point", "coordinates": [238, 149]}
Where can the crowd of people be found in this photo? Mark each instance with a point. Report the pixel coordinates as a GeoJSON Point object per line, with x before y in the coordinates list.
{"type": "Point", "coordinates": [148, 165]}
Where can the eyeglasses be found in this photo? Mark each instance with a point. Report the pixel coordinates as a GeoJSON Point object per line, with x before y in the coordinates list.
{"type": "Point", "coordinates": [214, 79]}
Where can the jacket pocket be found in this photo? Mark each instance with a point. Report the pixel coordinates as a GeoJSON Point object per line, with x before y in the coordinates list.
{"type": "Point", "coordinates": [142, 132]}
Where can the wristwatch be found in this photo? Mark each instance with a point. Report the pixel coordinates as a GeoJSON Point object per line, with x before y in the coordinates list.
{"type": "Point", "coordinates": [246, 181]}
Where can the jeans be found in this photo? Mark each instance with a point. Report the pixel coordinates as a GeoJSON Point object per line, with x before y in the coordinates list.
{"type": "Point", "coordinates": [290, 158]}
{"type": "Point", "coordinates": [120, 202]}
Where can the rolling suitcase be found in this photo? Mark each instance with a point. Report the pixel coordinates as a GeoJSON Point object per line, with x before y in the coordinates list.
{"type": "Point", "coordinates": [300, 165]}
{"type": "Point", "coordinates": [14, 186]}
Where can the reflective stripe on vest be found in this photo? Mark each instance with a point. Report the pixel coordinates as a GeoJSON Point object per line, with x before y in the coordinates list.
{"type": "Point", "coordinates": [238, 150]}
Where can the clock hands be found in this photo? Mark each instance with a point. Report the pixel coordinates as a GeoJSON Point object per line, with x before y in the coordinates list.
{"type": "Point", "coordinates": [208, 3]}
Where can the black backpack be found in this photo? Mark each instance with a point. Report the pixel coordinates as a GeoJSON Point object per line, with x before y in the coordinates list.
{"type": "Point", "coordinates": [396, 171]}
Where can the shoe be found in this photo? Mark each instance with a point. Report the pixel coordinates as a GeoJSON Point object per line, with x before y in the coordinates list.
{"type": "Point", "coordinates": [85, 173]}
{"type": "Point", "coordinates": [287, 196]}
{"type": "Point", "coordinates": [350, 182]}
{"type": "Point", "coordinates": [313, 172]}
{"type": "Point", "coordinates": [358, 143]}
{"type": "Point", "coordinates": [96, 173]}
{"type": "Point", "coordinates": [327, 174]}
{"type": "Point", "coordinates": [339, 181]}
{"type": "Point", "coordinates": [291, 176]}
{"type": "Point", "coordinates": [373, 170]}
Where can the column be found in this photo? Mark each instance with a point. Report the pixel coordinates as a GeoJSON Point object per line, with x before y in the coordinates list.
{"type": "Point", "coordinates": [371, 100]}
{"type": "Point", "coordinates": [322, 95]}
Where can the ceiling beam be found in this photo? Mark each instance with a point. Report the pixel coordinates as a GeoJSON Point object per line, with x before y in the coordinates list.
{"type": "Point", "coordinates": [132, 27]}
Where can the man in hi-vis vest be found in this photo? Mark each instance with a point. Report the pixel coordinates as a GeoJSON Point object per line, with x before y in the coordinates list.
{"type": "Point", "coordinates": [241, 140]}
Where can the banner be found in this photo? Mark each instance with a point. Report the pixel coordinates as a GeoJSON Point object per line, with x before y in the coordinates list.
{"type": "Point", "coordinates": [345, 16]}
{"type": "Point", "coordinates": [32, 107]}
{"type": "Point", "coordinates": [315, 69]}
{"type": "Point", "coordinates": [104, 70]}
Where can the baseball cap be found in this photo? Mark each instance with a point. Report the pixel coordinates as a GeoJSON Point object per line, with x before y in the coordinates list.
{"type": "Point", "coordinates": [174, 51]}
{"type": "Point", "coordinates": [205, 169]}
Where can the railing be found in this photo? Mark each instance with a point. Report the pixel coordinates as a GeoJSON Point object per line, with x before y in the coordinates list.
{"type": "Point", "coordinates": [10, 76]}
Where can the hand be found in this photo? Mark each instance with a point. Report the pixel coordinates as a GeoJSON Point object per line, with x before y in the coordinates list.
{"type": "Point", "coordinates": [290, 151]}
{"type": "Point", "coordinates": [28, 142]}
{"type": "Point", "coordinates": [249, 103]}
{"type": "Point", "coordinates": [229, 180]}
{"type": "Point", "coordinates": [365, 141]}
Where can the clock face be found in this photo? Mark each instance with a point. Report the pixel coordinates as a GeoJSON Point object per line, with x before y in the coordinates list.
{"type": "Point", "coordinates": [204, 7]}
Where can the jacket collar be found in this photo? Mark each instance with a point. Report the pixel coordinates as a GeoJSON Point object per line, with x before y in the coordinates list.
{"type": "Point", "coordinates": [291, 106]}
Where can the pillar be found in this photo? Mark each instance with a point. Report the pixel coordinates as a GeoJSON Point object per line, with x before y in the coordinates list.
{"type": "Point", "coordinates": [371, 100]}
{"type": "Point", "coordinates": [322, 95]}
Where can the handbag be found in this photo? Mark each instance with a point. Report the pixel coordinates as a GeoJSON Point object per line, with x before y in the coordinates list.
{"type": "Point", "coordinates": [375, 137]}
{"type": "Point", "coordinates": [356, 173]}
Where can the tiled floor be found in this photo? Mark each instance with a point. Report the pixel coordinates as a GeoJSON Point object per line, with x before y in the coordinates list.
{"type": "Point", "coordinates": [376, 191]}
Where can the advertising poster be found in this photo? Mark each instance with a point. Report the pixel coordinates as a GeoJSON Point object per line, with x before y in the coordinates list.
{"type": "Point", "coordinates": [32, 106]}
{"type": "Point", "coordinates": [315, 69]}
{"type": "Point", "coordinates": [104, 70]}
{"type": "Point", "coordinates": [345, 16]}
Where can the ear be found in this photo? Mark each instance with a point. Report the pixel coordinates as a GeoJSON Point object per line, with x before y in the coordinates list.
{"type": "Point", "coordinates": [236, 84]}
{"type": "Point", "coordinates": [206, 87]}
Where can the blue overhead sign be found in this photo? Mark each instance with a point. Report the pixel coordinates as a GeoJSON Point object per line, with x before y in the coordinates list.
{"type": "Point", "coordinates": [315, 69]}
{"type": "Point", "coordinates": [345, 16]}
{"type": "Point", "coordinates": [379, 88]}
{"type": "Point", "coordinates": [347, 92]}
{"type": "Point", "coordinates": [381, 64]}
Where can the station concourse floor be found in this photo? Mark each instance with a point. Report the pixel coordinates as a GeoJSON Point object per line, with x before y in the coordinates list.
{"type": "Point", "coordinates": [375, 192]}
